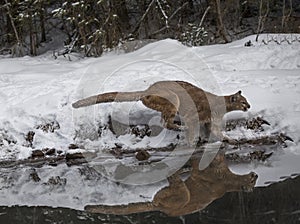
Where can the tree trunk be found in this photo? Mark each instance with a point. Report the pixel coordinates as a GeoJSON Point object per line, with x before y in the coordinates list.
{"type": "Point", "coordinates": [237, 15]}
{"type": "Point", "coordinates": [42, 22]}
{"type": "Point", "coordinates": [32, 36]}
{"type": "Point", "coordinates": [221, 27]}
{"type": "Point", "coordinates": [261, 18]}
{"type": "Point", "coordinates": [19, 50]}
{"type": "Point", "coordinates": [286, 16]}
{"type": "Point", "coordinates": [119, 8]}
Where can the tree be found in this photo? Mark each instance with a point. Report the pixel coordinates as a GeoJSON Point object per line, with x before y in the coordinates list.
{"type": "Point", "coordinates": [220, 24]}
{"type": "Point", "coordinates": [18, 48]}
{"type": "Point", "coordinates": [263, 13]}
{"type": "Point", "coordinates": [286, 13]}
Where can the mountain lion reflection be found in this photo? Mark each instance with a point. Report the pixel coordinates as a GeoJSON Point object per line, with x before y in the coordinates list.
{"type": "Point", "coordinates": [193, 194]}
{"type": "Point", "coordinates": [193, 104]}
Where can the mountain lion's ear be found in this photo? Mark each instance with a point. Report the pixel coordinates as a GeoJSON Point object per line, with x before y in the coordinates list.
{"type": "Point", "coordinates": [239, 92]}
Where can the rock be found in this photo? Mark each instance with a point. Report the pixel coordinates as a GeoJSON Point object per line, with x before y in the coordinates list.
{"type": "Point", "coordinates": [49, 152]}
{"type": "Point", "coordinates": [77, 155]}
{"type": "Point", "coordinates": [37, 154]}
{"type": "Point", "coordinates": [142, 155]}
{"type": "Point", "coordinates": [248, 44]}
{"type": "Point", "coordinates": [73, 146]}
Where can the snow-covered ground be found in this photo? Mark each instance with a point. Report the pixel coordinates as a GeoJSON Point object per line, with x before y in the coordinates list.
{"type": "Point", "coordinates": [39, 90]}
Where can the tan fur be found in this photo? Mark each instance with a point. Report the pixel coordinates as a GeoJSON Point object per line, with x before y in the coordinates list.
{"type": "Point", "coordinates": [193, 194]}
{"type": "Point", "coordinates": [193, 104]}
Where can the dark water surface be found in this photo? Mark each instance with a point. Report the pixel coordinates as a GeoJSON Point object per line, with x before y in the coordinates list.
{"type": "Point", "coordinates": [278, 203]}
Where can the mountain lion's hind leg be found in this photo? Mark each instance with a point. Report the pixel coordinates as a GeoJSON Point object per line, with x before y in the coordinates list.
{"type": "Point", "coordinates": [168, 118]}
{"type": "Point", "coordinates": [167, 104]}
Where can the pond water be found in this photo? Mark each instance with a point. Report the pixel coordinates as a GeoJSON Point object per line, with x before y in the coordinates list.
{"type": "Point", "coordinates": [277, 203]}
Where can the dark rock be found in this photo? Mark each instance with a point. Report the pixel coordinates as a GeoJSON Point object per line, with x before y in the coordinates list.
{"type": "Point", "coordinates": [49, 152]}
{"type": "Point", "coordinates": [73, 146]}
{"type": "Point", "coordinates": [37, 154]}
{"type": "Point", "coordinates": [248, 44]}
{"type": "Point", "coordinates": [77, 155]}
{"type": "Point", "coordinates": [59, 152]}
{"type": "Point", "coordinates": [142, 155]}
{"type": "Point", "coordinates": [52, 163]}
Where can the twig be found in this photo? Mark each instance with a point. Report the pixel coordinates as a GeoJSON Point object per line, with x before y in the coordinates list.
{"type": "Point", "coordinates": [169, 19]}
{"type": "Point", "coordinates": [204, 15]}
{"type": "Point", "coordinates": [261, 19]}
{"type": "Point", "coordinates": [143, 17]}
{"type": "Point", "coordinates": [13, 26]}
{"type": "Point", "coordinates": [163, 12]}
{"type": "Point", "coordinates": [177, 10]}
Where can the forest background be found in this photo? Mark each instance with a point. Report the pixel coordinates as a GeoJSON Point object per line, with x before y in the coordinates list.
{"type": "Point", "coordinates": [32, 27]}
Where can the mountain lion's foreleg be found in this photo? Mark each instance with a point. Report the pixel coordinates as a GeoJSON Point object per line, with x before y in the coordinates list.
{"type": "Point", "coordinates": [192, 129]}
{"type": "Point", "coordinates": [176, 195]}
{"type": "Point", "coordinates": [216, 133]}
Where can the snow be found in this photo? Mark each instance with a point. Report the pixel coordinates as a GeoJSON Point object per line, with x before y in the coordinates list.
{"type": "Point", "coordinates": [37, 90]}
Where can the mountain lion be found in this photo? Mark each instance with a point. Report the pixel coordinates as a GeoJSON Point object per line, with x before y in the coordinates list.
{"type": "Point", "coordinates": [193, 104]}
{"type": "Point", "coordinates": [193, 194]}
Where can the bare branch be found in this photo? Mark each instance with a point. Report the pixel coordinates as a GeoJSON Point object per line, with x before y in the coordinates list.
{"type": "Point", "coordinates": [177, 10]}
{"type": "Point", "coordinates": [163, 12]}
{"type": "Point", "coordinates": [19, 45]}
{"type": "Point", "coordinates": [204, 15]}
{"type": "Point", "coordinates": [261, 18]}
{"type": "Point", "coordinates": [143, 17]}
{"type": "Point", "coordinates": [221, 26]}
{"type": "Point", "coordinates": [169, 19]}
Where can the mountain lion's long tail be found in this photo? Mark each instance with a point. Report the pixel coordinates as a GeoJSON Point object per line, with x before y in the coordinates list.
{"type": "Point", "coordinates": [109, 97]}
{"type": "Point", "coordinates": [121, 209]}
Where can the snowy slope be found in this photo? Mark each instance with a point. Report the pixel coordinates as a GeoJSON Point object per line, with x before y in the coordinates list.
{"type": "Point", "coordinates": [35, 91]}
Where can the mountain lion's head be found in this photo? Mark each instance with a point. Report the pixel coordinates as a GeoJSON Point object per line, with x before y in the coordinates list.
{"type": "Point", "coordinates": [237, 102]}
